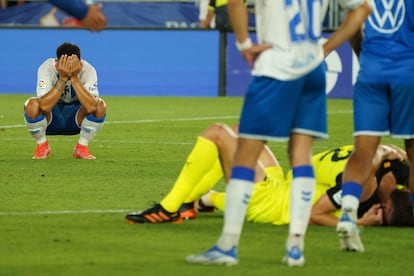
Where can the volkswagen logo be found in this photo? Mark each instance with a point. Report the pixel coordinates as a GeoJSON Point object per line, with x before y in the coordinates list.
{"type": "Point", "coordinates": [387, 15]}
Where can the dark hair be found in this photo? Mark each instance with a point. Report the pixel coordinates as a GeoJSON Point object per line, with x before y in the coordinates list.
{"type": "Point", "coordinates": [68, 49]}
{"type": "Point", "coordinates": [402, 211]}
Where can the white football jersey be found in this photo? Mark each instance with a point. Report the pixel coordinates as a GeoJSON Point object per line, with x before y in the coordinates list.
{"type": "Point", "coordinates": [293, 28]}
{"type": "Point", "coordinates": [47, 76]}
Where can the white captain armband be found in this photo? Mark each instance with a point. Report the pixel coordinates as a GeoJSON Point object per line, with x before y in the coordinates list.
{"type": "Point", "coordinates": [246, 44]}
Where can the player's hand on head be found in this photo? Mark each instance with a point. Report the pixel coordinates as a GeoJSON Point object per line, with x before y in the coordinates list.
{"type": "Point", "coordinates": [392, 152]}
{"type": "Point", "coordinates": [76, 65]}
{"type": "Point", "coordinates": [396, 153]}
{"type": "Point", "coordinates": [374, 216]}
{"type": "Point", "coordinates": [63, 66]}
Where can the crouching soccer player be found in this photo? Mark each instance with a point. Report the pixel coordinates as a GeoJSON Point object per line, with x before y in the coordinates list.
{"type": "Point", "coordinates": [67, 102]}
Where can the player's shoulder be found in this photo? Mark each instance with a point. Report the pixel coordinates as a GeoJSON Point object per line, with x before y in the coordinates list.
{"type": "Point", "coordinates": [334, 154]}
{"type": "Point", "coordinates": [47, 64]}
{"type": "Point", "coordinates": [342, 148]}
{"type": "Point", "coordinates": [87, 65]}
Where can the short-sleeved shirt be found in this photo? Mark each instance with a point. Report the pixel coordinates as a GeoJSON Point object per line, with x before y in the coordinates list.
{"type": "Point", "coordinates": [293, 29]}
{"type": "Point", "coordinates": [271, 198]}
{"type": "Point", "coordinates": [47, 76]}
{"type": "Point", "coordinates": [387, 54]}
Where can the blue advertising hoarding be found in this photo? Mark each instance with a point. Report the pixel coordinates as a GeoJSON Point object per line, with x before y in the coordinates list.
{"type": "Point", "coordinates": [342, 67]}
{"type": "Point", "coordinates": [136, 62]}
{"type": "Point", "coordinates": [128, 62]}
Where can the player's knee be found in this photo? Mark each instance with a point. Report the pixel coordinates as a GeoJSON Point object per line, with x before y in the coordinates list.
{"type": "Point", "coordinates": [32, 108]}
{"type": "Point", "coordinates": [101, 109]}
{"type": "Point", "coordinates": [215, 132]}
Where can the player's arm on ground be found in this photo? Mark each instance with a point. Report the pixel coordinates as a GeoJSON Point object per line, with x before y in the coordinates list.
{"type": "Point", "coordinates": [323, 214]}
{"type": "Point", "coordinates": [352, 23]}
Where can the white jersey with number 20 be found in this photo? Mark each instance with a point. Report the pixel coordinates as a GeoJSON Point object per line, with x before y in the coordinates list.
{"type": "Point", "coordinates": [293, 28]}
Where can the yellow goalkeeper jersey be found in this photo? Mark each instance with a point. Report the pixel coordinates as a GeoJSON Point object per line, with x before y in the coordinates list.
{"type": "Point", "coordinates": [270, 199]}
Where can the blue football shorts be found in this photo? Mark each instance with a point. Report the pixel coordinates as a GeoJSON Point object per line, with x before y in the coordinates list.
{"type": "Point", "coordinates": [63, 119]}
{"type": "Point", "coordinates": [384, 109]}
{"type": "Point", "coordinates": [273, 109]}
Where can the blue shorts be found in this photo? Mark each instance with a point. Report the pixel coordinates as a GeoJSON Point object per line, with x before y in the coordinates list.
{"type": "Point", "coordinates": [384, 109]}
{"type": "Point", "coordinates": [63, 119]}
{"type": "Point", "coordinates": [273, 109]}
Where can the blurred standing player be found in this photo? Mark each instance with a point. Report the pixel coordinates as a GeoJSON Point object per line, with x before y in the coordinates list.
{"type": "Point", "coordinates": [67, 102]}
{"type": "Point", "coordinates": [90, 15]}
{"type": "Point", "coordinates": [289, 79]}
{"type": "Point", "coordinates": [203, 12]}
{"type": "Point", "coordinates": [217, 12]}
{"type": "Point", "coordinates": [383, 103]}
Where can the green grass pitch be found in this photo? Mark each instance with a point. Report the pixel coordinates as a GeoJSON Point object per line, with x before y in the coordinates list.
{"type": "Point", "coordinates": [62, 216]}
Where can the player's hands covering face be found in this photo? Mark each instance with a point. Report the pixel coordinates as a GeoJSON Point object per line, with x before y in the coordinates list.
{"type": "Point", "coordinates": [76, 65]}
{"type": "Point", "coordinates": [68, 66]}
{"type": "Point", "coordinates": [63, 66]}
{"type": "Point", "coordinates": [373, 216]}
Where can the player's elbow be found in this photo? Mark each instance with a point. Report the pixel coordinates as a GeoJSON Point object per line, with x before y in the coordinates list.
{"type": "Point", "coordinates": [97, 108]}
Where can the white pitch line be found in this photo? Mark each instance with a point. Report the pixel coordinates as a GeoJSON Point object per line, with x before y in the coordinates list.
{"type": "Point", "coordinates": [172, 120]}
{"type": "Point", "coordinates": [101, 141]}
{"type": "Point", "coordinates": [143, 121]}
{"type": "Point", "coordinates": [63, 212]}
{"type": "Point", "coordinates": [13, 126]}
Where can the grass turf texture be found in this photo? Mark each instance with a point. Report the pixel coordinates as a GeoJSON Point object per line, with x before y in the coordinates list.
{"type": "Point", "coordinates": [62, 216]}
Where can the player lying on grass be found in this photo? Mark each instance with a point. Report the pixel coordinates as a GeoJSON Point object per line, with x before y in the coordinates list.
{"type": "Point", "coordinates": [210, 160]}
{"type": "Point", "coordinates": [67, 102]}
